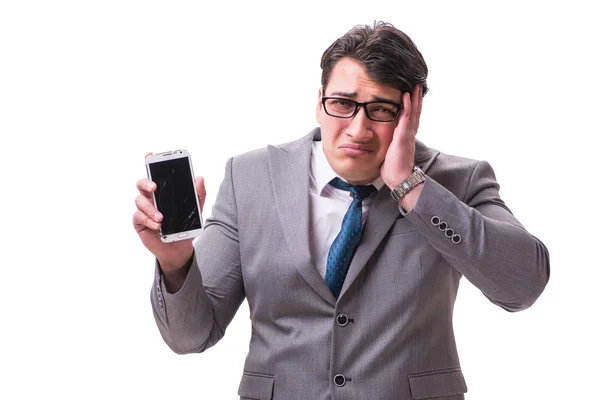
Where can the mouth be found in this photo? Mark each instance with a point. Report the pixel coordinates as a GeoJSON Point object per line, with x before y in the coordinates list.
{"type": "Point", "coordinates": [356, 149]}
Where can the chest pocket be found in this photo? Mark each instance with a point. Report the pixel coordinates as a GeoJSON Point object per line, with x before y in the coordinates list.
{"type": "Point", "coordinates": [401, 226]}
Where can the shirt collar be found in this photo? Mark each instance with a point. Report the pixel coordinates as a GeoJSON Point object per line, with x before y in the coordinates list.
{"type": "Point", "coordinates": [322, 172]}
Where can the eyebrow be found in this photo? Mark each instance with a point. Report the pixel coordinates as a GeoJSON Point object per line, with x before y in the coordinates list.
{"type": "Point", "coordinates": [344, 94]}
{"type": "Point", "coordinates": [352, 95]}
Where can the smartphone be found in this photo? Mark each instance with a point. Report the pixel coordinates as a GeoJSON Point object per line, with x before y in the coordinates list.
{"type": "Point", "coordinates": [175, 195]}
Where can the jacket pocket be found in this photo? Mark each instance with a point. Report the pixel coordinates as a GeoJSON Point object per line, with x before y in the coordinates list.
{"type": "Point", "coordinates": [427, 385]}
{"type": "Point", "coordinates": [256, 386]}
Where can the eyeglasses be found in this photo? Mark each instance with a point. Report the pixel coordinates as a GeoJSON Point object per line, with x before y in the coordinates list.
{"type": "Point", "coordinates": [380, 111]}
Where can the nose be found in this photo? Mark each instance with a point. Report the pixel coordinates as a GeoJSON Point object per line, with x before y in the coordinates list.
{"type": "Point", "coordinates": [360, 126]}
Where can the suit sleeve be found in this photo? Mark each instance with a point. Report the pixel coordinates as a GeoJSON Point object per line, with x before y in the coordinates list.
{"type": "Point", "coordinates": [480, 237]}
{"type": "Point", "coordinates": [195, 318]}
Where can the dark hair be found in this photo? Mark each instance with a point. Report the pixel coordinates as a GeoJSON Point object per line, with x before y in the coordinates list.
{"type": "Point", "coordinates": [389, 56]}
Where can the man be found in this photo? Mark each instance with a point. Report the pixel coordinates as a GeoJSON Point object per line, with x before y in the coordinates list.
{"type": "Point", "coordinates": [348, 244]}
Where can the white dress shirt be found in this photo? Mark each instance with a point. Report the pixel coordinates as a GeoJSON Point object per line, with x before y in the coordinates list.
{"type": "Point", "coordinates": [328, 205]}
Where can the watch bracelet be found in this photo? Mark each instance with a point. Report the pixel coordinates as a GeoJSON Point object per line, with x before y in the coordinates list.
{"type": "Point", "coordinates": [408, 184]}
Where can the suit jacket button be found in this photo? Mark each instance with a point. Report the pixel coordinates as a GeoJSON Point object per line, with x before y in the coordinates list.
{"type": "Point", "coordinates": [342, 319]}
{"type": "Point", "coordinates": [339, 380]}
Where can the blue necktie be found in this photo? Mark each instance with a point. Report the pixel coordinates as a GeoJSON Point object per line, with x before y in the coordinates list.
{"type": "Point", "coordinates": [346, 242]}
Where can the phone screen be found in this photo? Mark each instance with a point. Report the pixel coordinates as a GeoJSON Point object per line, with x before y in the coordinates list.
{"type": "Point", "coordinates": [175, 195]}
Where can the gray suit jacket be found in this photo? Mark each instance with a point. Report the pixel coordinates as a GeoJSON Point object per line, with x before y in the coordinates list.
{"type": "Point", "coordinates": [390, 334]}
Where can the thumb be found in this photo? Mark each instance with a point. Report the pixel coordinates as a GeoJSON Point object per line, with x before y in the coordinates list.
{"type": "Point", "coordinates": [200, 191]}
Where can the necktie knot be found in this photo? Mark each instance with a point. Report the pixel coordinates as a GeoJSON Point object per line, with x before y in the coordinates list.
{"type": "Point", "coordinates": [359, 192]}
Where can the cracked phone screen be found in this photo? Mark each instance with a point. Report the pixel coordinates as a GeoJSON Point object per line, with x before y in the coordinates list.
{"type": "Point", "coordinates": [175, 195]}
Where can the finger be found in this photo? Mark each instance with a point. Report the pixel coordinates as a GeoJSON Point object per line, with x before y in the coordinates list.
{"type": "Point", "coordinates": [408, 106]}
{"type": "Point", "coordinates": [147, 207]}
{"type": "Point", "coordinates": [417, 102]}
{"type": "Point", "coordinates": [201, 191]}
{"type": "Point", "coordinates": [146, 187]}
{"type": "Point", "coordinates": [141, 221]}
{"type": "Point", "coordinates": [403, 127]}
{"type": "Point", "coordinates": [417, 96]}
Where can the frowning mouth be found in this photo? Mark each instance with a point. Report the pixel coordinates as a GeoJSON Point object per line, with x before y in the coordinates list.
{"type": "Point", "coordinates": [361, 147]}
{"type": "Point", "coordinates": [356, 149]}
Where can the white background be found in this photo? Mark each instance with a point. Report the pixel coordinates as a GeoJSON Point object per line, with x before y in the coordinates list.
{"type": "Point", "coordinates": [87, 87]}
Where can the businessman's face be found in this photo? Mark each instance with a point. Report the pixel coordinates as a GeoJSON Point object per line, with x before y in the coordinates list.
{"type": "Point", "coordinates": [355, 147]}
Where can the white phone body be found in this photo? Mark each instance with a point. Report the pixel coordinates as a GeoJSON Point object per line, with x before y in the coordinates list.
{"type": "Point", "coordinates": [175, 196]}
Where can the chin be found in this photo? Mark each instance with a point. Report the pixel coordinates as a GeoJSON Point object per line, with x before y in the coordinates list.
{"type": "Point", "coordinates": [360, 176]}
{"type": "Point", "coordinates": [355, 169]}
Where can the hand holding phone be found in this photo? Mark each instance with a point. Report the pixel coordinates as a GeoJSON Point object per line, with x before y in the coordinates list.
{"type": "Point", "coordinates": [175, 195]}
{"type": "Point", "coordinates": [148, 222]}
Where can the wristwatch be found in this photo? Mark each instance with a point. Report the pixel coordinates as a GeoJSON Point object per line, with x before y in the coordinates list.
{"type": "Point", "coordinates": [413, 180]}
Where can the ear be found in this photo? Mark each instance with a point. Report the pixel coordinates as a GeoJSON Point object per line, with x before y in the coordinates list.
{"type": "Point", "coordinates": [319, 106]}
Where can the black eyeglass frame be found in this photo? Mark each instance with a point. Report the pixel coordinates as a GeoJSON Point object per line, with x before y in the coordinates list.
{"type": "Point", "coordinates": [358, 105]}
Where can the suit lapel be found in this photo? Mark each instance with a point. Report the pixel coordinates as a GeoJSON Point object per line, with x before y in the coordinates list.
{"type": "Point", "coordinates": [383, 213]}
{"type": "Point", "coordinates": [289, 167]}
